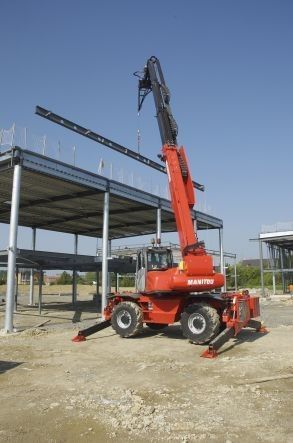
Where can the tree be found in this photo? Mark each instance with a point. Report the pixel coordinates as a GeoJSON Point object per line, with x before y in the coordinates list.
{"type": "Point", "coordinates": [90, 277]}
{"type": "Point", "coordinates": [64, 279]}
{"type": "Point", "coordinates": [248, 277]}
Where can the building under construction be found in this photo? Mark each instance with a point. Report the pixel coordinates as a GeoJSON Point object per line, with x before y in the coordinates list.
{"type": "Point", "coordinates": [40, 192]}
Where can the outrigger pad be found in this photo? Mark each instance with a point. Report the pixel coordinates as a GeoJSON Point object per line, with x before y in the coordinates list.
{"type": "Point", "coordinates": [217, 342]}
{"type": "Point", "coordinates": [209, 353]}
{"type": "Point", "coordinates": [79, 337]}
{"type": "Point", "coordinates": [257, 325]}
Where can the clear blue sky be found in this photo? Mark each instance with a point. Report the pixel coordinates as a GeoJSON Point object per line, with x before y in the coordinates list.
{"type": "Point", "coordinates": [229, 67]}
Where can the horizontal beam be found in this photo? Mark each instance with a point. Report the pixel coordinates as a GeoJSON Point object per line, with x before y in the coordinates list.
{"type": "Point", "coordinates": [104, 141]}
{"type": "Point", "coordinates": [278, 270]}
{"type": "Point", "coordinates": [90, 214]}
{"type": "Point", "coordinates": [127, 225]}
{"type": "Point", "coordinates": [56, 198]}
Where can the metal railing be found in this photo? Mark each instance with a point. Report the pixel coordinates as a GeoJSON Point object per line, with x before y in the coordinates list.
{"type": "Point", "coordinates": [25, 139]}
{"type": "Point", "coordinates": [277, 227]}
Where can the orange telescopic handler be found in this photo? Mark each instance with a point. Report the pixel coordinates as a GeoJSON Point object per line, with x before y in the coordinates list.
{"type": "Point", "coordinates": [189, 293]}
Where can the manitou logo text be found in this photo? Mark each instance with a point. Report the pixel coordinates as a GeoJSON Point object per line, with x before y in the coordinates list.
{"type": "Point", "coordinates": [200, 281]}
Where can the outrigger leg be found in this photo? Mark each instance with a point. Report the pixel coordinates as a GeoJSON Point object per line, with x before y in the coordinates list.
{"type": "Point", "coordinates": [228, 333]}
{"type": "Point", "coordinates": [217, 342]}
{"type": "Point", "coordinates": [81, 336]}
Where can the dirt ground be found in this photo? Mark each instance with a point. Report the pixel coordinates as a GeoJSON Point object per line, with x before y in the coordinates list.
{"type": "Point", "coordinates": [155, 387]}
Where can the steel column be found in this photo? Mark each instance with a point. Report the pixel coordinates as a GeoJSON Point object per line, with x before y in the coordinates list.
{"type": "Point", "coordinates": [235, 274]}
{"type": "Point", "coordinates": [105, 250]}
{"type": "Point", "coordinates": [74, 273]}
{"type": "Point", "coordinates": [159, 227]}
{"type": "Point", "coordinates": [98, 281]}
{"type": "Point", "coordinates": [274, 283]}
{"type": "Point", "coordinates": [16, 289]}
{"type": "Point", "coordinates": [97, 272]}
{"type": "Point", "coordinates": [117, 275]}
{"type": "Point", "coordinates": [12, 247]}
{"type": "Point", "coordinates": [40, 290]}
{"type": "Point", "coordinates": [281, 252]}
{"type": "Point", "coordinates": [261, 268]}
{"type": "Point", "coordinates": [31, 299]}
{"type": "Point", "coordinates": [222, 263]}
{"type": "Point", "coordinates": [109, 273]}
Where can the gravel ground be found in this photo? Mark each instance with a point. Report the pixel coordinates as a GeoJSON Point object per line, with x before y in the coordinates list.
{"type": "Point", "coordinates": [155, 387]}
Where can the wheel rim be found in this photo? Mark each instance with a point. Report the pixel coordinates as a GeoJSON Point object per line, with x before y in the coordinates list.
{"type": "Point", "coordinates": [123, 319]}
{"type": "Point", "coordinates": [196, 323]}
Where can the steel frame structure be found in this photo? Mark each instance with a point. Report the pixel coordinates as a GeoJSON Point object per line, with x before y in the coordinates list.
{"type": "Point", "coordinates": [40, 261]}
{"type": "Point", "coordinates": [280, 257]}
{"type": "Point", "coordinates": [17, 166]}
{"type": "Point", "coordinates": [75, 127]}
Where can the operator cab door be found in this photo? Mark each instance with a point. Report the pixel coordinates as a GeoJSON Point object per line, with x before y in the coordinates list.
{"type": "Point", "coordinates": [141, 272]}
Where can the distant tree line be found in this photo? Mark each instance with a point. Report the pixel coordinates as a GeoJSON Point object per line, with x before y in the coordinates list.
{"type": "Point", "coordinates": [249, 277]}
{"type": "Point", "coordinates": [89, 277]}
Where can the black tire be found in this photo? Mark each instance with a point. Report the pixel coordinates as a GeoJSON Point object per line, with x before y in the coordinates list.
{"type": "Point", "coordinates": [127, 319]}
{"type": "Point", "coordinates": [200, 323]}
{"type": "Point", "coordinates": [156, 326]}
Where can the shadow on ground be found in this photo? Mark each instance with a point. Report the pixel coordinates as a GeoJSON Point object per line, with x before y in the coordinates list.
{"type": "Point", "coordinates": [8, 365]}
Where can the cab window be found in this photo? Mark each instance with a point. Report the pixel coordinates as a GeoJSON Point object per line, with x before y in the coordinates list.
{"type": "Point", "coordinates": [159, 260]}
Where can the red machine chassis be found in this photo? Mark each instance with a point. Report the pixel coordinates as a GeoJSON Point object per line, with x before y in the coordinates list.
{"type": "Point", "coordinates": [236, 310]}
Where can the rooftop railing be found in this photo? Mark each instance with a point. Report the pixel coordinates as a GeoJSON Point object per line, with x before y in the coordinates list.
{"type": "Point", "coordinates": [277, 227]}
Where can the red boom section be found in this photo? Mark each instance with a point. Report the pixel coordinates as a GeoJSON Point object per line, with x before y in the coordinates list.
{"type": "Point", "coordinates": [182, 193]}
{"type": "Point", "coordinates": [196, 273]}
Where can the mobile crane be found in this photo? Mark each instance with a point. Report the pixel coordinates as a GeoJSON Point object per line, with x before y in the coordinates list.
{"type": "Point", "coordinates": [190, 292]}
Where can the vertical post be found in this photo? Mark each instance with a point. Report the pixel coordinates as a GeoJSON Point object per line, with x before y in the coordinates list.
{"type": "Point", "coordinates": [117, 282]}
{"type": "Point", "coordinates": [59, 150]}
{"type": "Point", "coordinates": [271, 263]}
{"type": "Point", "coordinates": [25, 138]}
{"type": "Point", "coordinates": [221, 249]}
{"type": "Point", "coordinates": [261, 268]}
{"type": "Point", "coordinates": [98, 282]}
{"type": "Point", "coordinates": [282, 269]}
{"type": "Point", "coordinates": [109, 273]}
{"type": "Point", "coordinates": [225, 277]}
{"type": "Point", "coordinates": [44, 145]}
{"type": "Point", "coordinates": [235, 274]}
{"type": "Point", "coordinates": [31, 298]}
{"type": "Point", "coordinates": [13, 134]}
{"type": "Point", "coordinates": [159, 227]}
{"type": "Point", "coordinates": [274, 283]}
{"type": "Point", "coordinates": [12, 248]}
{"type": "Point", "coordinates": [105, 250]}
{"type": "Point", "coordinates": [16, 289]}
{"type": "Point", "coordinates": [74, 273]}
{"type": "Point", "coordinates": [74, 149]}
{"type": "Point", "coordinates": [97, 273]}
{"type": "Point", "coordinates": [40, 290]}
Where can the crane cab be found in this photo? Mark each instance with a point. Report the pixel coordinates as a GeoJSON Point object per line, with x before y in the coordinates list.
{"type": "Point", "coordinates": [151, 259]}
